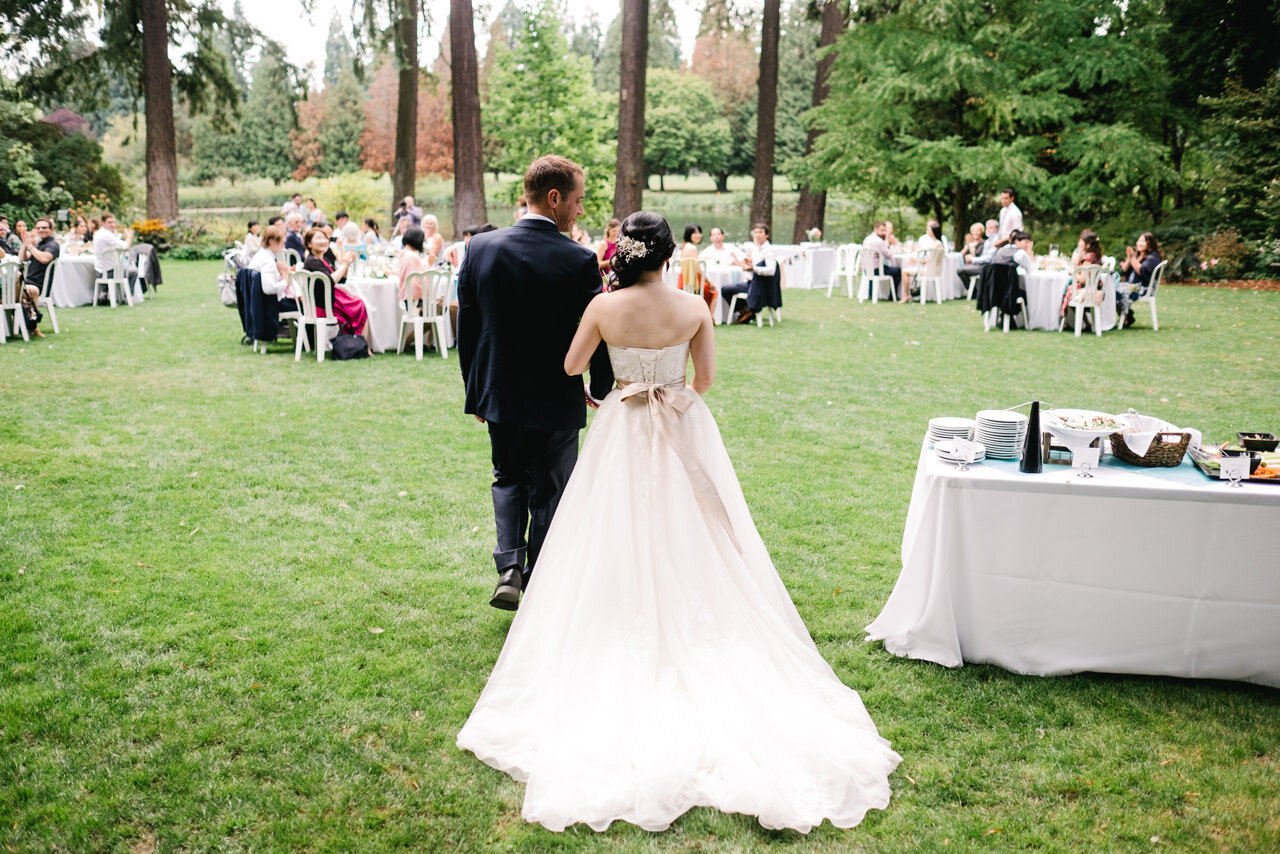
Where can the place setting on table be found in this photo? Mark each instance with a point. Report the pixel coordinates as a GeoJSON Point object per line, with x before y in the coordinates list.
{"type": "Point", "coordinates": [376, 281]}
{"type": "Point", "coordinates": [1064, 540]}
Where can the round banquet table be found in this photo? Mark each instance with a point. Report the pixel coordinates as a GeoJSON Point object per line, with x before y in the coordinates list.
{"type": "Point", "coordinates": [1044, 299]}
{"type": "Point", "coordinates": [380, 298]}
{"type": "Point", "coordinates": [72, 283]}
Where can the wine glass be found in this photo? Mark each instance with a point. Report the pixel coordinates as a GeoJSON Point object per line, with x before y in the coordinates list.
{"type": "Point", "coordinates": [1233, 478]}
{"type": "Point", "coordinates": [1053, 250]}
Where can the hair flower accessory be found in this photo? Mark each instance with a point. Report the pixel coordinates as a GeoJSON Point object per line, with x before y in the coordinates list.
{"type": "Point", "coordinates": [630, 248]}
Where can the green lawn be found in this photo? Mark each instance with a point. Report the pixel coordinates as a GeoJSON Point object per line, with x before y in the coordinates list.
{"type": "Point", "coordinates": [243, 599]}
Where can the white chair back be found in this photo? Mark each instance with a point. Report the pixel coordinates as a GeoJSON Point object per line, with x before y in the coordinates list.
{"type": "Point", "coordinates": [1157, 277]}
{"type": "Point", "coordinates": [303, 284]}
{"type": "Point", "coordinates": [10, 274]}
{"type": "Point", "coordinates": [437, 305]}
{"type": "Point", "coordinates": [932, 263]}
{"type": "Point", "coordinates": [291, 258]}
{"type": "Point", "coordinates": [1109, 263]}
{"type": "Point", "coordinates": [413, 307]}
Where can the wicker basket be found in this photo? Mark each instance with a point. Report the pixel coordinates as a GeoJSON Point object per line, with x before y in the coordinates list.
{"type": "Point", "coordinates": [1166, 450]}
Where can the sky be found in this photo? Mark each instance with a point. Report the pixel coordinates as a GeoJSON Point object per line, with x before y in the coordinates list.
{"type": "Point", "coordinates": [303, 35]}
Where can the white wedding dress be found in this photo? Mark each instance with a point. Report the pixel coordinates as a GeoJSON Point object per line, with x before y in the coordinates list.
{"type": "Point", "coordinates": [656, 662]}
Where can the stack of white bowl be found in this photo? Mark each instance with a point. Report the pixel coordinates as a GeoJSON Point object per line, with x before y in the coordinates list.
{"type": "Point", "coordinates": [947, 427]}
{"type": "Point", "coordinates": [1002, 431]}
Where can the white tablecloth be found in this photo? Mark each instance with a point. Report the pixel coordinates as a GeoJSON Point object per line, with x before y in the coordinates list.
{"type": "Point", "coordinates": [1157, 571]}
{"type": "Point", "coordinates": [72, 280]}
{"type": "Point", "coordinates": [952, 287]}
{"type": "Point", "coordinates": [380, 298]}
{"type": "Point", "coordinates": [1044, 299]}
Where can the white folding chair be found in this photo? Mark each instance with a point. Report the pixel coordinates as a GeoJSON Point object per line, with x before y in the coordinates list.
{"type": "Point", "coordinates": [848, 265]}
{"type": "Point", "coordinates": [291, 258]}
{"type": "Point", "coordinates": [1157, 277]}
{"type": "Point", "coordinates": [1087, 296]}
{"type": "Point", "coordinates": [117, 277]}
{"type": "Point", "coordinates": [303, 283]}
{"type": "Point", "coordinates": [46, 296]}
{"type": "Point", "coordinates": [931, 274]}
{"type": "Point", "coordinates": [431, 310]}
{"type": "Point", "coordinates": [11, 300]}
{"type": "Point", "coordinates": [873, 276]}
{"type": "Point", "coordinates": [991, 319]}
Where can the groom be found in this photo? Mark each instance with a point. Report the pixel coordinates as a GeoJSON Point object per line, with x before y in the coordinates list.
{"type": "Point", "coordinates": [521, 292]}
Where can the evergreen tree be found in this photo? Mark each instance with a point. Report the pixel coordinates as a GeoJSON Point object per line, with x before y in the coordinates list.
{"type": "Point", "coordinates": [540, 96]}
{"type": "Point", "coordinates": [269, 117]}
{"type": "Point", "coordinates": [342, 125]}
{"type": "Point", "coordinates": [664, 46]}
{"type": "Point", "coordinates": [338, 56]}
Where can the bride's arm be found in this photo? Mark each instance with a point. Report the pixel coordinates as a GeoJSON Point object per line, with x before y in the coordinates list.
{"type": "Point", "coordinates": [703, 350]}
{"type": "Point", "coordinates": [585, 341]}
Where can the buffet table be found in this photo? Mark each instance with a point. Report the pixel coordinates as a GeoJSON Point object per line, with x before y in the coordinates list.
{"type": "Point", "coordinates": [1136, 570]}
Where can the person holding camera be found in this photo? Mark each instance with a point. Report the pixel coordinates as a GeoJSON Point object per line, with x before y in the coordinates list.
{"type": "Point", "coordinates": [407, 209]}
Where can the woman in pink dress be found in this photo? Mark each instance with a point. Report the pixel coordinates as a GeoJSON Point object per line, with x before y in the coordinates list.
{"type": "Point", "coordinates": [606, 248]}
{"type": "Point", "coordinates": [411, 261]}
{"type": "Point", "coordinates": [349, 309]}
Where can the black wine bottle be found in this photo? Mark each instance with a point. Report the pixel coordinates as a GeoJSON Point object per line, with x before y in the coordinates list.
{"type": "Point", "coordinates": [1031, 462]}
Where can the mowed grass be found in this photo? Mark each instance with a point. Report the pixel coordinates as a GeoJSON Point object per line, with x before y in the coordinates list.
{"type": "Point", "coordinates": [243, 599]}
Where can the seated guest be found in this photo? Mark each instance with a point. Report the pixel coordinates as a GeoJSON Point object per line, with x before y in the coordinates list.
{"type": "Point", "coordinates": [888, 235]}
{"type": "Point", "coordinates": [349, 309]}
{"type": "Point", "coordinates": [293, 234]}
{"type": "Point", "coordinates": [1017, 251]}
{"type": "Point", "coordinates": [1088, 252]}
{"type": "Point", "coordinates": [689, 252]}
{"type": "Point", "coordinates": [5, 234]}
{"type": "Point", "coordinates": [412, 260]}
{"type": "Point", "coordinates": [39, 250]}
{"type": "Point", "coordinates": [1140, 261]}
{"type": "Point", "coordinates": [105, 241]}
{"type": "Point", "coordinates": [932, 237]}
{"type": "Point", "coordinates": [718, 254]}
{"type": "Point", "coordinates": [292, 205]}
{"type": "Point", "coordinates": [274, 272]}
{"type": "Point", "coordinates": [275, 219]}
{"type": "Point", "coordinates": [252, 239]}
{"type": "Point", "coordinates": [18, 236]}
{"type": "Point", "coordinates": [349, 230]}
{"type": "Point", "coordinates": [79, 236]}
{"type": "Point", "coordinates": [369, 234]}
{"type": "Point", "coordinates": [974, 242]}
{"type": "Point", "coordinates": [764, 290]}
{"type": "Point", "coordinates": [579, 236]}
{"type": "Point", "coordinates": [877, 258]}
{"type": "Point", "coordinates": [432, 239]}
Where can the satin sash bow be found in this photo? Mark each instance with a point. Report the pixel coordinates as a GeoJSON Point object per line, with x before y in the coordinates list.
{"type": "Point", "coordinates": [667, 402]}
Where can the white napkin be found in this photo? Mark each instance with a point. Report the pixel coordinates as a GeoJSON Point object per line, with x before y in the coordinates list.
{"type": "Point", "coordinates": [1141, 431]}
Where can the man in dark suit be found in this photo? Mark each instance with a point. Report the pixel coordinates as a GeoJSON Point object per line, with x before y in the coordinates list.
{"type": "Point", "coordinates": [521, 292]}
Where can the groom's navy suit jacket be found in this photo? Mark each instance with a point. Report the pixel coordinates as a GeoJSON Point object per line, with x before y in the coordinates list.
{"type": "Point", "coordinates": [521, 292]}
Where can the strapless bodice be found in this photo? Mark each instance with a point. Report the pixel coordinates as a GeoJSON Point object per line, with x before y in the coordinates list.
{"type": "Point", "coordinates": [643, 365]}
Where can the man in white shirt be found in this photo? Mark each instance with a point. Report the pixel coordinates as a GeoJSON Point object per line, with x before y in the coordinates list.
{"type": "Point", "coordinates": [717, 254]}
{"type": "Point", "coordinates": [105, 242]}
{"type": "Point", "coordinates": [1010, 216]}
{"type": "Point", "coordinates": [877, 257]}
{"type": "Point", "coordinates": [764, 290]}
{"type": "Point", "coordinates": [291, 205]}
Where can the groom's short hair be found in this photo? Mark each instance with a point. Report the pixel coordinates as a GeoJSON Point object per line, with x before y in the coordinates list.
{"type": "Point", "coordinates": [552, 172]}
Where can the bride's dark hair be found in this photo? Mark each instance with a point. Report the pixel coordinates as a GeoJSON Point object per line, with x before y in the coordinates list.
{"type": "Point", "coordinates": [644, 243]}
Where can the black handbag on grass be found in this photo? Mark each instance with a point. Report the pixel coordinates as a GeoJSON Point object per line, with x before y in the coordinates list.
{"type": "Point", "coordinates": [350, 347]}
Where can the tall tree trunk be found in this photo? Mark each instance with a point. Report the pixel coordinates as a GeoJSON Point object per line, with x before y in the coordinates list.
{"type": "Point", "coordinates": [811, 209]}
{"type": "Point", "coordinates": [468, 143]}
{"type": "Point", "coordinates": [766, 121]}
{"type": "Point", "coordinates": [157, 94]}
{"type": "Point", "coordinates": [628, 189]}
{"type": "Point", "coordinates": [405, 166]}
{"type": "Point", "coordinates": [960, 212]}
{"type": "Point", "coordinates": [722, 182]}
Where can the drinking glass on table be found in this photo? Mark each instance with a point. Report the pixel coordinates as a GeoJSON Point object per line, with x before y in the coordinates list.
{"type": "Point", "coordinates": [1053, 250]}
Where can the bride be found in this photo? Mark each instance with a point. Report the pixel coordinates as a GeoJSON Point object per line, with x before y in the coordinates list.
{"type": "Point", "coordinates": [658, 664]}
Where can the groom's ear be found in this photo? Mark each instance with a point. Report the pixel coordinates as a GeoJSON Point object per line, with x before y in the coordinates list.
{"type": "Point", "coordinates": [553, 197]}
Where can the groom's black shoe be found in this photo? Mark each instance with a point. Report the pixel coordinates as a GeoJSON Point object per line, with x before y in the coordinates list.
{"type": "Point", "coordinates": [507, 594]}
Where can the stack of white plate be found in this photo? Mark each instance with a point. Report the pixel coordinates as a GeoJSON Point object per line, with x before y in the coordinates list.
{"type": "Point", "coordinates": [941, 429]}
{"type": "Point", "coordinates": [1002, 431]}
{"type": "Point", "coordinates": [946, 451]}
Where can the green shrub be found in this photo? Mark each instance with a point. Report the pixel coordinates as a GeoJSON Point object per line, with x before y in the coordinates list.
{"type": "Point", "coordinates": [1223, 255]}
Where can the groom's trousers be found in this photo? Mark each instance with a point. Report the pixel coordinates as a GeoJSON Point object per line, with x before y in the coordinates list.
{"type": "Point", "coordinates": [530, 469]}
